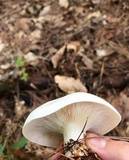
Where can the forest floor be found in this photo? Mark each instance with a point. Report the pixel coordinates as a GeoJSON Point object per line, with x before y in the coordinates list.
{"type": "Point", "coordinates": [49, 49]}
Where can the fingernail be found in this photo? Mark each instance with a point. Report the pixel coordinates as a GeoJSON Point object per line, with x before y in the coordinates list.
{"type": "Point", "coordinates": [97, 142]}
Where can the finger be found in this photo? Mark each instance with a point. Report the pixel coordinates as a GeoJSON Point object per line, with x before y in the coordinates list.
{"type": "Point", "coordinates": [108, 149]}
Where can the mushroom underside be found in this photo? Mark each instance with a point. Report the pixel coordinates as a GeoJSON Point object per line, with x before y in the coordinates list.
{"type": "Point", "coordinates": [68, 122]}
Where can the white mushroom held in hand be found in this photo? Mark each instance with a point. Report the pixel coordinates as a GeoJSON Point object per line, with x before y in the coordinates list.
{"type": "Point", "coordinates": [64, 119]}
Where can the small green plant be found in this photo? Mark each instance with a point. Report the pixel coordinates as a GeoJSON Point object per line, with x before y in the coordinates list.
{"type": "Point", "coordinates": [20, 63]}
{"type": "Point", "coordinates": [18, 145]}
{"type": "Point", "coordinates": [24, 76]}
{"type": "Point", "coordinates": [2, 147]}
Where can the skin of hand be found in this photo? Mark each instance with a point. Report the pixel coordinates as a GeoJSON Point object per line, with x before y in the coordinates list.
{"type": "Point", "coordinates": [108, 149]}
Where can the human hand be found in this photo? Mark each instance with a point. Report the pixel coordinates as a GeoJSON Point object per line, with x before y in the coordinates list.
{"type": "Point", "coordinates": [108, 149]}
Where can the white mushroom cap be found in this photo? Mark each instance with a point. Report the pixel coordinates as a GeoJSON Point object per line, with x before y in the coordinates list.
{"type": "Point", "coordinates": [64, 118]}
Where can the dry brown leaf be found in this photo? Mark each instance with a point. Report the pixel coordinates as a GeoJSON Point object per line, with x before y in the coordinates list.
{"type": "Point", "coordinates": [2, 45]}
{"type": "Point", "coordinates": [95, 1]}
{"type": "Point", "coordinates": [5, 66]}
{"type": "Point", "coordinates": [45, 10]}
{"type": "Point", "coordinates": [55, 59]}
{"type": "Point", "coordinates": [73, 46]}
{"type": "Point", "coordinates": [64, 3]}
{"type": "Point", "coordinates": [69, 84]}
{"type": "Point", "coordinates": [87, 61]}
{"type": "Point", "coordinates": [101, 52]}
{"type": "Point", "coordinates": [22, 155]}
{"type": "Point", "coordinates": [124, 102]}
{"type": "Point", "coordinates": [35, 35]}
{"type": "Point", "coordinates": [112, 19]}
{"type": "Point", "coordinates": [96, 14]}
{"type": "Point", "coordinates": [23, 24]}
{"type": "Point", "coordinates": [31, 58]}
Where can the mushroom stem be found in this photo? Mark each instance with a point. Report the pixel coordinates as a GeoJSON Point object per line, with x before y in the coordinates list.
{"type": "Point", "coordinates": [72, 131]}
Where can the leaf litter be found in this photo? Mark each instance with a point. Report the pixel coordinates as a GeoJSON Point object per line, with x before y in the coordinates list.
{"type": "Point", "coordinates": [85, 42]}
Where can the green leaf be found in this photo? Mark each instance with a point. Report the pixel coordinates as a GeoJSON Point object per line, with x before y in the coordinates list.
{"type": "Point", "coordinates": [24, 76]}
{"type": "Point", "coordinates": [20, 144]}
{"type": "Point", "coordinates": [20, 62]}
{"type": "Point", "coordinates": [3, 147]}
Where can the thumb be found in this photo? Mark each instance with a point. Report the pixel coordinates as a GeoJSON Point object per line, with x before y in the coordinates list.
{"type": "Point", "coordinates": [108, 149]}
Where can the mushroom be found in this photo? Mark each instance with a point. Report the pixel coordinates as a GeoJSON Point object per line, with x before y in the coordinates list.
{"type": "Point", "coordinates": [65, 117]}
